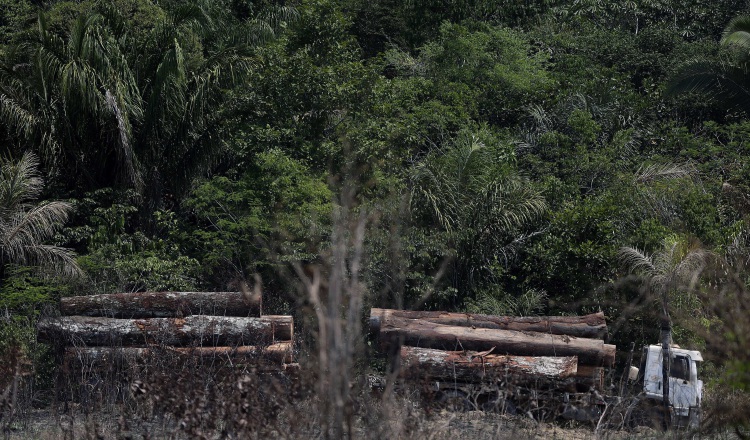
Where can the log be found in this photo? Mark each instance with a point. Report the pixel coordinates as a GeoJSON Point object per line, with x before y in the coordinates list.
{"type": "Point", "coordinates": [539, 373]}
{"type": "Point", "coordinates": [588, 326]}
{"type": "Point", "coordinates": [420, 333]}
{"type": "Point", "coordinates": [590, 376]}
{"type": "Point", "coordinates": [162, 304]}
{"type": "Point", "coordinates": [193, 330]}
{"type": "Point", "coordinates": [103, 357]}
{"type": "Point", "coordinates": [471, 366]}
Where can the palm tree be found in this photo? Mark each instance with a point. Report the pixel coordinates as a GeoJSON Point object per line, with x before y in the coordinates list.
{"type": "Point", "coordinates": [667, 274]}
{"type": "Point", "coordinates": [471, 191]}
{"type": "Point", "coordinates": [124, 110]}
{"type": "Point", "coordinates": [729, 80]}
{"type": "Point", "coordinates": [24, 226]}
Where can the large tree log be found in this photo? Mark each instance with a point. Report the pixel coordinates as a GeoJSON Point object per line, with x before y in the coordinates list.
{"type": "Point", "coordinates": [196, 330]}
{"type": "Point", "coordinates": [539, 373]}
{"type": "Point", "coordinates": [419, 333]}
{"type": "Point", "coordinates": [162, 304]}
{"type": "Point", "coordinates": [588, 326]}
{"type": "Point", "coordinates": [104, 357]}
{"type": "Point", "coordinates": [472, 366]}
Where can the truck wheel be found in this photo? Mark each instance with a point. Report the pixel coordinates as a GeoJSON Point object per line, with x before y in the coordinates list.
{"type": "Point", "coordinates": [650, 416]}
{"type": "Point", "coordinates": [455, 400]}
{"type": "Point", "coordinates": [500, 406]}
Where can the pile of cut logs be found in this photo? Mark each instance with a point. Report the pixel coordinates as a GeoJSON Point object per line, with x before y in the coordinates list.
{"type": "Point", "coordinates": [99, 330]}
{"type": "Point", "coordinates": [555, 351]}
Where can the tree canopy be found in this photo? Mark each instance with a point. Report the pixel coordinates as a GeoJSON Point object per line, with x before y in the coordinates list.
{"type": "Point", "coordinates": [501, 153]}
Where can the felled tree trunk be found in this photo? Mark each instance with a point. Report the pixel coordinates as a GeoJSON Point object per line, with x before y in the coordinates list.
{"type": "Point", "coordinates": [99, 357]}
{"type": "Point", "coordinates": [588, 326]}
{"type": "Point", "coordinates": [420, 333]}
{"type": "Point", "coordinates": [196, 330]}
{"type": "Point", "coordinates": [539, 373]}
{"type": "Point", "coordinates": [162, 304]}
{"type": "Point", "coordinates": [471, 366]}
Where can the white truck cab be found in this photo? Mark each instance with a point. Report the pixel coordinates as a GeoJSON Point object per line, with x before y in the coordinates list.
{"type": "Point", "coordinates": [685, 389]}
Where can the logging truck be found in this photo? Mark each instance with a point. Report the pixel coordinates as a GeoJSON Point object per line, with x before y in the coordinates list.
{"type": "Point", "coordinates": [545, 367]}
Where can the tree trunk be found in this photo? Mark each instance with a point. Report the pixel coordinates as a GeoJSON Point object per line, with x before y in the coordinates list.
{"type": "Point", "coordinates": [472, 367]}
{"type": "Point", "coordinates": [189, 331]}
{"type": "Point", "coordinates": [101, 357]}
{"type": "Point", "coordinates": [419, 333]}
{"type": "Point", "coordinates": [539, 373]}
{"type": "Point", "coordinates": [162, 304]}
{"type": "Point", "coordinates": [588, 326]}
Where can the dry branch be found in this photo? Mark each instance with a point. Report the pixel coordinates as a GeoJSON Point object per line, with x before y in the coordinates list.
{"type": "Point", "coordinates": [162, 304]}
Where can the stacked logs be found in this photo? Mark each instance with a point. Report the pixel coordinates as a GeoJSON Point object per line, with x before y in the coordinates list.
{"type": "Point", "coordinates": [566, 352]}
{"type": "Point", "coordinates": [133, 328]}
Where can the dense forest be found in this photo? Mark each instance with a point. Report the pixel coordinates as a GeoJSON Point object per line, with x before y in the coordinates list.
{"type": "Point", "coordinates": [520, 157]}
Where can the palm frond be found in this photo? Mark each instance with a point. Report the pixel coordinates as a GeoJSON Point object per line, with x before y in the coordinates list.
{"type": "Point", "coordinates": [636, 261]}
{"type": "Point", "coordinates": [513, 203]}
{"type": "Point", "coordinates": [55, 260]}
{"type": "Point", "coordinates": [19, 182]}
{"type": "Point", "coordinates": [125, 152]}
{"type": "Point", "coordinates": [23, 227]}
{"type": "Point", "coordinates": [737, 33]}
{"type": "Point", "coordinates": [665, 171]}
{"type": "Point", "coordinates": [38, 224]}
{"type": "Point", "coordinates": [725, 82]}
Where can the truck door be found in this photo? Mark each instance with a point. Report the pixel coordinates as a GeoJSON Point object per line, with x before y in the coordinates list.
{"type": "Point", "coordinates": [683, 390]}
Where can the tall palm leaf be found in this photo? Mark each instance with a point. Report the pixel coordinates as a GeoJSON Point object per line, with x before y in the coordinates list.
{"type": "Point", "coordinates": [99, 103]}
{"type": "Point", "coordinates": [472, 191]}
{"type": "Point", "coordinates": [24, 227]}
{"type": "Point", "coordinates": [727, 81]}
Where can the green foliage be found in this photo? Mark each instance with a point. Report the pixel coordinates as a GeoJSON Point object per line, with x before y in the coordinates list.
{"type": "Point", "coordinates": [411, 24]}
{"type": "Point", "coordinates": [471, 191]}
{"type": "Point", "coordinates": [274, 206]}
{"type": "Point", "coordinates": [148, 108]}
{"type": "Point", "coordinates": [493, 301]}
{"type": "Point", "coordinates": [503, 151]}
{"type": "Point", "coordinates": [495, 70]}
{"type": "Point", "coordinates": [118, 258]}
{"type": "Point", "coordinates": [305, 87]}
{"type": "Point", "coordinates": [25, 294]}
{"type": "Point", "coordinates": [15, 16]}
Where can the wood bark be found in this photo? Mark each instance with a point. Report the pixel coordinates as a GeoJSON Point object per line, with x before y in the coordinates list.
{"type": "Point", "coordinates": [539, 373]}
{"type": "Point", "coordinates": [96, 357]}
{"type": "Point", "coordinates": [162, 304]}
{"type": "Point", "coordinates": [196, 330]}
{"type": "Point", "coordinates": [588, 326]}
{"type": "Point", "coordinates": [420, 333]}
{"type": "Point", "coordinates": [473, 366]}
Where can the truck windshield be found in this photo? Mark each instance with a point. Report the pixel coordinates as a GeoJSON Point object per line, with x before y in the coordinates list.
{"type": "Point", "coordinates": [679, 368]}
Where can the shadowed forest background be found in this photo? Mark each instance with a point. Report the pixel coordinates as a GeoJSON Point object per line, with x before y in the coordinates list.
{"type": "Point", "coordinates": [520, 157]}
